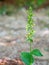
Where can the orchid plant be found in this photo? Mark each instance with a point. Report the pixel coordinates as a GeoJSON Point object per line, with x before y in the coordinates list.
{"type": "Point", "coordinates": [28, 57]}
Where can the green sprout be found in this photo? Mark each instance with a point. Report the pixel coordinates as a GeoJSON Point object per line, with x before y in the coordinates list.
{"type": "Point", "coordinates": [28, 57]}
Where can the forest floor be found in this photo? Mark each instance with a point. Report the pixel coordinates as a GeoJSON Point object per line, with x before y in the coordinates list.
{"type": "Point", "coordinates": [12, 34]}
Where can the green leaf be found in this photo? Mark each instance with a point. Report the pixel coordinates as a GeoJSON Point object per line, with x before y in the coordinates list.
{"type": "Point", "coordinates": [27, 58]}
{"type": "Point", "coordinates": [36, 52]}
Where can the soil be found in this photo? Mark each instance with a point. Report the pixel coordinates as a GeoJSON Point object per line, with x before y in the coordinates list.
{"type": "Point", "coordinates": [6, 61]}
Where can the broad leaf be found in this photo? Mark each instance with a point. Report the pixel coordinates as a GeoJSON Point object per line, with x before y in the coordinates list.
{"type": "Point", "coordinates": [36, 52]}
{"type": "Point", "coordinates": [27, 58]}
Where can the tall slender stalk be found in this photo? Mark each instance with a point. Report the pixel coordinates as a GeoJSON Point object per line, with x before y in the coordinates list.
{"type": "Point", "coordinates": [29, 27]}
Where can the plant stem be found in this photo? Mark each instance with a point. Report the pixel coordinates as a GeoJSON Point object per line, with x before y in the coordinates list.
{"type": "Point", "coordinates": [30, 47]}
{"type": "Point", "coordinates": [30, 50]}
